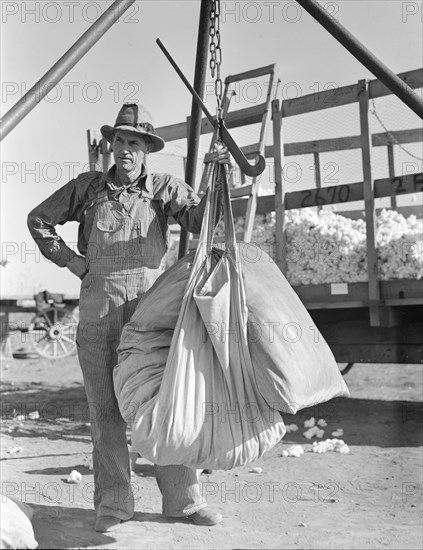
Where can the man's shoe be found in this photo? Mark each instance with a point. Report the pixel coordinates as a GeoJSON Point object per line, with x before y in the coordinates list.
{"type": "Point", "coordinates": [205, 516]}
{"type": "Point", "coordinates": [107, 524]}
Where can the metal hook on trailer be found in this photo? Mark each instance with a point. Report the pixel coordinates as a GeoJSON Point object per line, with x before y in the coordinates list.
{"type": "Point", "coordinates": [251, 170]}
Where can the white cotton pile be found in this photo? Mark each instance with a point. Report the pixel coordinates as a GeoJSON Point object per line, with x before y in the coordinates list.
{"type": "Point", "coordinates": [324, 247]}
{"type": "Point", "coordinates": [293, 451]}
{"type": "Point", "coordinates": [400, 244]}
{"type": "Point", "coordinates": [74, 477]}
{"type": "Point", "coordinates": [338, 432]}
{"type": "Point", "coordinates": [15, 449]}
{"type": "Point", "coordinates": [330, 445]}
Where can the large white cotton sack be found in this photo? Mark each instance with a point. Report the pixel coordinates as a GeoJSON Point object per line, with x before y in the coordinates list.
{"type": "Point", "coordinates": [184, 380]}
{"type": "Point", "coordinates": [16, 526]}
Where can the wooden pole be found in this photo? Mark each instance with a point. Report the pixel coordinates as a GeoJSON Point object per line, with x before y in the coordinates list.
{"type": "Point", "coordinates": [280, 240]}
{"type": "Point", "coordinates": [63, 66]}
{"type": "Point", "coordinates": [317, 172]}
{"type": "Point", "coordinates": [391, 166]}
{"type": "Point", "coordinates": [369, 206]}
{"type": "Point", "coordinates": [92, 152]}
{"type": "Point", "coordinates": [195, 119]}
{"type": "Point", "coordinates": [364, 55]}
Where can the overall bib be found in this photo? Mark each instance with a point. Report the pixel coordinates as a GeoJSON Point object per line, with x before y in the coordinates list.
{"type": "Point", "coordinates": [124, 258]}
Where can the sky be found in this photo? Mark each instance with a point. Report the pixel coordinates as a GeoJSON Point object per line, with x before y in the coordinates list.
{"type": "Point", "coordinates": [49, 146]}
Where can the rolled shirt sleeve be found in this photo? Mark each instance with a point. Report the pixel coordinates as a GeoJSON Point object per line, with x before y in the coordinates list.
{"type": "Point", "coordinates": [185, 205]}
{"type": "Point", "coordinates": [63, 206]}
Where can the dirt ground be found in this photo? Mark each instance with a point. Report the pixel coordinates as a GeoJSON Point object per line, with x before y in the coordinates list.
{"type": "Point", "coordinates": [369, 498]}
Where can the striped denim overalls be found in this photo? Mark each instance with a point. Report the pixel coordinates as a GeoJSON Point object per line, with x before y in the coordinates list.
{"type": "Point", "coordinates": [124, 258]}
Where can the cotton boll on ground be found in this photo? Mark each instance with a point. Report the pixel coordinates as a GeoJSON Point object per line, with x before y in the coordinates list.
{"type": "Point", "coordinates": [74, 477]}
{"type": "Point", "coordinates": [315, 431]}
{"type": "Point", "coordinates": [291, 428]}
{"type": "Point", "coordinates": [295, 451]}
{"type": "Point", "coordinates": [330, 445]}
{"type": "Point", "coordinates": [309, 423]}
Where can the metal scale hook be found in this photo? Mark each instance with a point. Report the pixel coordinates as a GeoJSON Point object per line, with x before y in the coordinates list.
{"type": "Point", "coordinates": [251, 170]}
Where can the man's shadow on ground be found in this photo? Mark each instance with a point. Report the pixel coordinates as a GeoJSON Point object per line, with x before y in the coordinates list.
{"type": "Point", "coordinates": [66, 527]}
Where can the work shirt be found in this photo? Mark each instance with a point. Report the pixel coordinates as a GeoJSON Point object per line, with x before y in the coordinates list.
{"type": "Point", "coordinates": [76, 201]}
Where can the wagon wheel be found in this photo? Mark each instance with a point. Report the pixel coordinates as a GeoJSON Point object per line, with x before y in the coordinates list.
{"type": "Point", "coordinates": [54, 331]}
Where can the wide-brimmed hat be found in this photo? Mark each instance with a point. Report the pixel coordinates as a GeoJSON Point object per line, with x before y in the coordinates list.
{"type": "Point", "coordinates": [134, 118]}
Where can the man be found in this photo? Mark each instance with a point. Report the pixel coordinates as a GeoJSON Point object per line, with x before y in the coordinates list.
{"type": "Point", "coordinates": [122, 241]}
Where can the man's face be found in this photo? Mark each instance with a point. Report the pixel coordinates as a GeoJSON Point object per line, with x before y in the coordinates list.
{"type": "Point", "coordinates": [129, 150]}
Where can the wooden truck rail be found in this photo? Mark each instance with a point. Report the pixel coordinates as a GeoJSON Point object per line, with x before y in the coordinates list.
{"type": "Point", "coordinates": [375, 321]}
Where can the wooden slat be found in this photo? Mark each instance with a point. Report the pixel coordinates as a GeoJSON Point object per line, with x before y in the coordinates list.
{"type": "Point", "coordinates": [243, 191]}
{"type": "Point", "coordinates": [266, 204]}
{"type": "Point", "coordinates": [335, 304]}
{"type": "Point", "coordinates": [405, 302]}
{"type": "Point", "coordinates": [234, 119]}
{"type": "Point", "coordinates": [393, 352]}
{"type": "Point", "coordinates": [106, 154]}
{"type": "Point", "coordinates": [414, 79]}
{"type": "Point", "coordinates": [178, 131]}
{"type": "Point", "coordinates": [369, 205]}
{"type": "Point", "coordinates": [254, 73]}
{"type": "Point", "coordinates": [280, 241]}
{"type": "Point", "coordinates": [173, 132]}
{"type": "Point", "coordinates": [403, 136]}
{"type": "Point", "coordinates": [244, 117]}
{"type": "Point", "coordinates": [391, 169]}
{"type": "Point", "coordinates": [322, 145]}
{"type": "Point", "coordinates": [401, 289]}
{"type": "Point", "coordinates": [343, 143]}
{"type": "Point", "coordinates": [311, 102]}
{"type": "Point", "coordinates": [317, 171]}
{"type": "Point", "coordinates": [250, 212]}
{"type": "Point", "coordinates": [311, 294]}
{"type": "Point", "coordinates": [386, 187]}
{"type": "Point", "coordinates": [253, 149]}
{"type": "Point", "coordinates": [406, 211]}
{"type": "Point", "coordinates": [399, 185]}
{"type": "Point", "coordinates": [344, 95]}
{"type": "Point", "coordinates": [397, 292]}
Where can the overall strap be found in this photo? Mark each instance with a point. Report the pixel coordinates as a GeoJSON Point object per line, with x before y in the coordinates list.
{"type": "Point", "coordinates": [103, 195]}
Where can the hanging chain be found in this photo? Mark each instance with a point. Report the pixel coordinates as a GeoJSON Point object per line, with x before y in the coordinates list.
{"type": "Point", "coordinates": [216, 54]}
{"type": "Point", "coordinates": [390, 135]}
